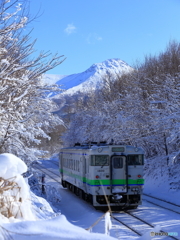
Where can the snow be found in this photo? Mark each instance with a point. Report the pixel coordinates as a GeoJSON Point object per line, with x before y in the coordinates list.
{"type": "Point", "coordinates": [147, 236]}
{"type": "Point", "coordinates": [119, 190]}
{"type": "Point", "coordinates": [31, 216]}
{"type": "Point", "coordinates": [160, 183]}
{"type": "Point", "coordinates": [89, 79]}
{"type": "Point", "coordinates": [52, 78]}
{"type": "Point", "coordinates": [55, 228]}
{"type": "Point", "coordinates": [15, 202]}
{"type": "Point", "coordinates": [70, 218]}
{"type": "Point", "coordinates": [11, 166]}
{"type": "Point", "coordinates": [82, 214]}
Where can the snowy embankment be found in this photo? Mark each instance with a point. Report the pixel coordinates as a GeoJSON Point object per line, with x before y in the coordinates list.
{"type": "Point", "coordinates": [23, 215]}
{"type": "Point", "coordinates": [161, 180]}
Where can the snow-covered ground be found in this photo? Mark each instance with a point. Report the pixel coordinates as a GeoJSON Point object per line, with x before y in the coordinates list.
{"type": "Point", "coordinates": [26, 216]}
{"type": "Point", "coordinates": [82, 214]}
{"type": "Point", "coordinates": [73, 218]}
{"type": "Point", "coordinates": [161, 181]}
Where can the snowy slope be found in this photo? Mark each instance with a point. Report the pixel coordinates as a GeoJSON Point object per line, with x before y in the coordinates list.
{"type": "Point", "coordinates": [52, 78]}
{"type": "Point", "coordinates": [91, 78]}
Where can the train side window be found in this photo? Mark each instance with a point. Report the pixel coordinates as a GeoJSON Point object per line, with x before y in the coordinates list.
{"type": "Point", "coordinates": [135, 159]}
{"type": "Point", "coordinates": [78, 166]}
{"type": "Point", "coordinates": [118, 162]}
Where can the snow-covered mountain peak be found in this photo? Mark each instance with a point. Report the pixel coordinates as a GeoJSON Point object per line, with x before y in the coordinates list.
{"type": "Point", "coordinates": [91, 78]}
{"type": "Point", "coordinates": [110, 64]}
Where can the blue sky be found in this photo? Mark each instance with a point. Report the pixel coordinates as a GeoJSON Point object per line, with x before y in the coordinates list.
{"type": "Point", "coordinates": [89, 32]}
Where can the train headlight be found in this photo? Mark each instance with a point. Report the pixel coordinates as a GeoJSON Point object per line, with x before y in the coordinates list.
{"type": "Point", "coordinates": [97, 176]}
{"type": "Point", "coordinates": [139, 176]}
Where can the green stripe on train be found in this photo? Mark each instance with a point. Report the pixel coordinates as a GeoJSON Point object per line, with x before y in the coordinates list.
{"type": "Point", "coordinates": [103, 181]}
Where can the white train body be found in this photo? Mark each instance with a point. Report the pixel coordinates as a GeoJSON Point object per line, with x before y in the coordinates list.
{"type": "Point", "coordinates": [101, 173]}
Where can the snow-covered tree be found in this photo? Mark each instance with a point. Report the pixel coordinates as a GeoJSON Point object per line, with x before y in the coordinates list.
{"type": "Point", "coordinates": [25, 113]}
{"type": "Point", "coordinates": [141, 107]}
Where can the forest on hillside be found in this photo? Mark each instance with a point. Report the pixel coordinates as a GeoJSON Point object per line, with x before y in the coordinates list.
{"type": "Point", "coordinates": [141, 107]}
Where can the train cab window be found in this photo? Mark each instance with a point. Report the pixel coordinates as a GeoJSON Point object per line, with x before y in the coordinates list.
{"type": "Point", "coordinates": [118, 162]}
{"type": "Point", "coordinates": [135, 159]}
{"type": "Point", "coordinates": [99, 160]}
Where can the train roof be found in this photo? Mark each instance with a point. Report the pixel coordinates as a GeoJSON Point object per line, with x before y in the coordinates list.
{"type": "Point", "coordinates": [94, 146]}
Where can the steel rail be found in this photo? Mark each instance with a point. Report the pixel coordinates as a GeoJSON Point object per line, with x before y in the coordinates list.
{"type": "Point", "coordinates": [161, 200]}
{"type": "Point", "coordinates": [132, 229]}
{"type": "Point", "coordinates": [48, 174]}
{"type": "Point", "coordinates": [162, 206]}
{"type": "Point", "coordinates": [149, 224]}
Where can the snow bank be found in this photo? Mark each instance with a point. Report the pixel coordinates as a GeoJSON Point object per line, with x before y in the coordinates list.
{"type": "Point", "coordinates": [15, 197]}
{"type": "Point", "coordinates": [52, 229]}
{"type": "Point", "coordinates": [11, 166]}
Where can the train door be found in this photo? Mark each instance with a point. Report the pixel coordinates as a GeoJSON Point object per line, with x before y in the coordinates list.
{"type": "Point", "coordinates": [118, 174]}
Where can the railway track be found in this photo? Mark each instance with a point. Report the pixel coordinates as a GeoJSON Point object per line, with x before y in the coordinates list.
{"type": "Point", "coordinates": [54, 176]}
{"type": "Point", "coordinates": [141, 221]}
{"type": "Point", "coordinates": [168, 206]}
{"type": "Point", "coordinates": [44, 170]}
{"type": "Point", "coordinates": [47, 172]}
{"type": "Point", "coordinates": [161, 200]}
{"type": "Point", "coordinates": [143, 193]}
{"type": "Point", "coordinates": [126, 225]}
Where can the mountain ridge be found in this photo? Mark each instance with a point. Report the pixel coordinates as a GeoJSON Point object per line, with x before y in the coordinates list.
{"type": "Point", "coordinates": [91, 78]}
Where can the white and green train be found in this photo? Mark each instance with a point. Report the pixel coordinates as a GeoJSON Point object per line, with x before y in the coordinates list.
{"type": "Point", "coordinates": [99, 173]}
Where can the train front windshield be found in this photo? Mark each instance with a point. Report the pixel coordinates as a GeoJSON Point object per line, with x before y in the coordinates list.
{"type": "Point", "coordinates": [135, 159]}
{"type": "Point", "coordinates": [100, 160]}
